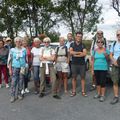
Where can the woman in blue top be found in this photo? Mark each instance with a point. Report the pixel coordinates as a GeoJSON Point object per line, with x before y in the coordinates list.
{"type": "Point", "coordinates": [99, 68]}
{"type": "Point", "coordinates": [17, 62]}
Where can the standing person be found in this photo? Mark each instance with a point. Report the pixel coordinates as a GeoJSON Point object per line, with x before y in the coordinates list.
{"type": "Point", "coordinates": [36, 63]}
{"type": "Point", "coordinates": [62, 64]}
{"type": "Point", "coordinates": [115, 73]}
{"type": "Point", "coordinates": [28, 68]}
{"type": "Point", "coordinates": [78, 52]}
{"type": "Point", "coordinates": [99, 68]}
{"type": "Point", "coordinates": [16, 63]}
{"type": "Point", "coordinates": [99, 36]}
{"type": "Point", "coordinates": [68, 43]}
{"type": "Point", "coordinates": [8, 43]}
{"type": "Point", "coordinates": [47, 57]}
{"type": "Point", "coordinates": [3, 63]}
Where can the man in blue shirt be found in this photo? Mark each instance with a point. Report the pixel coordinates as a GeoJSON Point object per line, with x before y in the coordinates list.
{"type": "Point", "coordinates": [115, 74]}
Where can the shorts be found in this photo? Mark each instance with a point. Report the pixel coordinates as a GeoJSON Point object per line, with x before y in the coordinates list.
{"type": "Point", "coordinates": [78, 69]}
{"type": "Point", "coordinates": [115, 74]}
{"type": "Point", "coordinates": [62, 66]}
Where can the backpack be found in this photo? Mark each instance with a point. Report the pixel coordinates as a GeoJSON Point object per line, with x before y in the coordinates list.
{"type": "Point", "coordinates": [66, 52]}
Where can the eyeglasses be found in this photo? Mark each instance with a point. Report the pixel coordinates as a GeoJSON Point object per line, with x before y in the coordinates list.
{"type": "Point", "coordinates": [118, 34]}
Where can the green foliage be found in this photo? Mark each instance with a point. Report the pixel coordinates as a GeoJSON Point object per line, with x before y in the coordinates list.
{"type": "Point", "coordinates": [87, 44]}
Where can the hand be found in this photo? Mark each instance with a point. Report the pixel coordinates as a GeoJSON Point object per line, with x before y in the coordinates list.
{"type": "Point", "coordinates": [10, 72]}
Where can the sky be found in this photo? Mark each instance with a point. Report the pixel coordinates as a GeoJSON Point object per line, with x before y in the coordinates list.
{"type": "Point", "coordinates": [110, 25]}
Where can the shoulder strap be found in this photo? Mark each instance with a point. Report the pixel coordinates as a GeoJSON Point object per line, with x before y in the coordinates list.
{"type": "Point", "coordinates": [114, 46]}
{"type": "Point", "coordinates": [105, 43]}
{"type": "Point", "coordinates": [66, 51]}
{"type": "Point", "coordinates": [57, 50]}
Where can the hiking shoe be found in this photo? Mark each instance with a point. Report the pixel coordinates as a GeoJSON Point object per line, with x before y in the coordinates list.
{"type": "Point", "coordinates": [22, 92]}
{"type": "Point", "coordinates": [20, 97]}
{"type": "Point", "coordinates": [102, 99]}
{"type": "Point", "coordinates": [56, 97]}
{"type": "Point", "coordinates": [26, 90]}
{"type": "Point", "coordinates": [114, 101]}
{"type": "Point", "coordinates": [41, 95]}
{"type": "Point", "coordinates": [7, 86]}
{"type": "Point", "coordinates": [12, 99]}
{"type": "Point", "coordinates": [96, 96]}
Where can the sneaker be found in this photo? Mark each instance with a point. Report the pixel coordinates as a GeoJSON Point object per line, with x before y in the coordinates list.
{"type": "Point", "coordinates": [102, 99]}
{"type": "Point", "coordinates": [22, 92]}
{"type": "Point", "coordinates": [0, 86]}
{"type": "Point", "coordinates": [26, 90]}
{"type": "Point", "coordinates": [114, 101]}
{"type": "Point", "coordinates": [96, 96]}
{"type": "Point", "coordinates": [56, 97]}
{"type": "Point", "coordinates": [41, 95]}
{"type": "Point", "coordinates": [93, 87]}
{"type": "Point", "coordinates": [20, 97]}
{"type": "Point", "coordinates": [7, 86]}
{"type": "Point", "coordinates": [12, 99]}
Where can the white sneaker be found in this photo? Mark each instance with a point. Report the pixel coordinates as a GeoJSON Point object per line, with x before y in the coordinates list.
{"type": "Point", "coordinates": [0, 86]}
{"type": "Point", "coordinates": [7, 86]}
{"type": "Point", "coordinates": [26, 90]}
{"type": "Point", "coordinates": [22, 92]}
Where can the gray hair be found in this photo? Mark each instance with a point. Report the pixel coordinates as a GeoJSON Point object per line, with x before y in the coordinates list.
{"type": "Point", "coordinates": [36, 39]}
{"type": "Point", "coordinates": [47, 39]}
{"type": "Point", "coordinates": [18, 39]}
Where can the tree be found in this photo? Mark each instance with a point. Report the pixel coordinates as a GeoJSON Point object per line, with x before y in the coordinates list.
{"type": "Point", "coordinates": [80, 15]}
{"type": "Point", "coordinates": [116, 6]}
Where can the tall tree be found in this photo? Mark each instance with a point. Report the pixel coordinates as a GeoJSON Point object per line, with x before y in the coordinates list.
{"type": "Point", "coordinates": [116, 5]}
{"type": "Point", "coordinates": [80, 15]}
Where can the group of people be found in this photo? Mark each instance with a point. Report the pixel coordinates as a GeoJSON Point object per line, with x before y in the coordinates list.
{"type": "Point", "coordinates": [67, 58]}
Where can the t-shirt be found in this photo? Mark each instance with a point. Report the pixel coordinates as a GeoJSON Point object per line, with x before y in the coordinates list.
{"type": "Point", "coordinates": [3, 55]}
{"type": "Point", "coordinates": [36, 56]}
{"type": "Point", "coordinates": [100, 62]}
{"type": "Point", "coordinates": [18, 57]}
{"type": "Point", "coordinates": [78, 48]}
{"type": "Point", "coordinates": [47, 52]}
{"type": "Point", "coordinates": [115, 49]}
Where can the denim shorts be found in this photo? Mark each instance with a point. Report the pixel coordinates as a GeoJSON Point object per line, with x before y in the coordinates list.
{"type": "Point", "coordinates": [36, 73]}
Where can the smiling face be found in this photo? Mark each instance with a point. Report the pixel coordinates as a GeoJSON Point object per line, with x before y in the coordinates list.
{"type": "Point", "coordinates": [78, 37]}
{"type": "Point", "coordinates": [100, 43]}
{"type": "Point", "coordinates": [99, 34]}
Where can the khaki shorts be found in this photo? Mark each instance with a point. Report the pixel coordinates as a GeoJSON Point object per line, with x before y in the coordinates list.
{"type": "Point", "coordinates": [115, 74]}
{"type": "Point", "coordinates": [62, 66]}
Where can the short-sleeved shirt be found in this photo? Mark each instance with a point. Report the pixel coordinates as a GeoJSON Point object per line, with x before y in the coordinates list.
{"type": "Point", "coordinates": [3, 56]}
{"type": "Point", "coordinates": [36, 56]}
{"type": "Point", "coordinates": [68, 44]}
{"type": "Point", "coordinates": [47, 52]}
{"type": "Point", "coordinates": [18, 57]}
{"type": "Point", "coordinates": [100, 62]}
{"type": "Point", "coordinates": [78, 48]}
{"type": "Point", "coordinates": [115, 49]}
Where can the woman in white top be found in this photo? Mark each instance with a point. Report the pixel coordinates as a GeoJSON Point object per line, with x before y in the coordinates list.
{"type": "Point", "coordinates": [36, 63]}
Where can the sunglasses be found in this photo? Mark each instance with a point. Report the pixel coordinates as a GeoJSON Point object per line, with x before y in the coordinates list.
{"type": "Point", "coordinates": [100, 42]}
{"type": "Point", "coordinates": [118, 34]}
{"type": "Point", "coordinates": [99, 33]}
{"type": "Point", "coordinates": [47, 42]}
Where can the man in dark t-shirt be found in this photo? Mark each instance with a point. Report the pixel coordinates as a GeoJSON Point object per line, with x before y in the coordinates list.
{"type": "Point", "coordinates": [78, 53]}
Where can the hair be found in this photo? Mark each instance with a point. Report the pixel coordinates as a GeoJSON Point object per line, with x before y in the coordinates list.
{"type": "Point", "coordinates": [36, 39]}
{"type": "Point", "coordinates": [46, 39]}
{"type": "Point", "coordinates": [79, 33]}
{"type": "Point", "coordinates": [18, 39]}
{"type": "Point", "coordinates": [69, 34]}
{"type": "Point", "coordinates": [2, 41]}
{"type": "Point", "coordinates": [61, 38]}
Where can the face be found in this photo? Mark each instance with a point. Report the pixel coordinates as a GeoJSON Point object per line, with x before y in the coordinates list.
{"type": "Point", "coordinates": [8, 42]}
{"type": "Point", "coordinates": [18, 43]}
{"type": "Point", "coordinates": [1, 44]}
{"type": "Point", "coordinates": [118, 35]}
{"type": "Point", "coordinates": [69, 36]}
{"type": "Point", "coordinates": [62, 41]}
{"type": "Point", "coordinates": [79, 37]}
{"type": "Point", "coordinates": [99, 34]}
{"type": "Point", "coordinates": [100, 43]}
{"type": "Point", "coordinates": [46, 43]}
{"type": "Point", "coordinates": [37, 43]}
